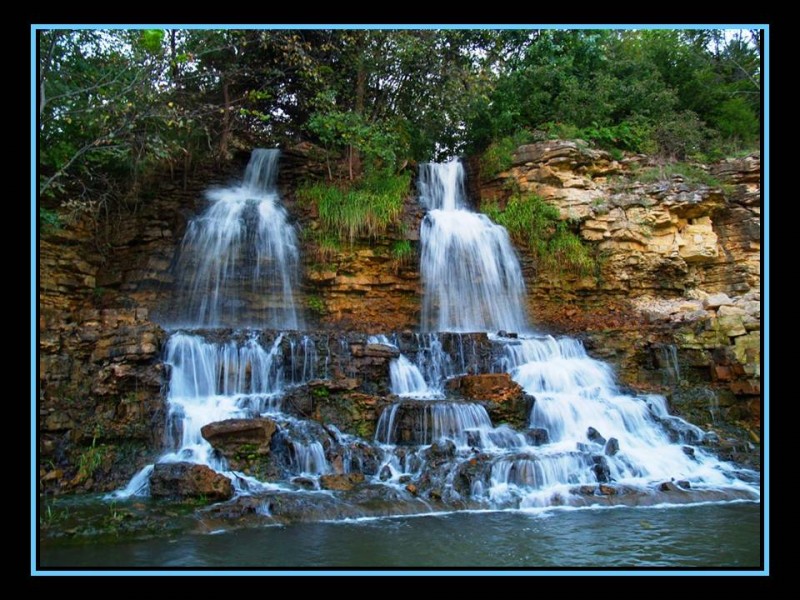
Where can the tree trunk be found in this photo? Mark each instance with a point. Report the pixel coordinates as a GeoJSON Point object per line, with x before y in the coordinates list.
{"type": "Point", "coordinates": [226, 122]}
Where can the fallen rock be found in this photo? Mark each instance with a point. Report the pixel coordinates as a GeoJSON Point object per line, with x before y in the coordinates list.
{"type": "Point", "coordinates": [187, 480]}
{"type": "Point", "coordinates": [717, 300]}
{"type": "Point", "coordinates": [594, 436]}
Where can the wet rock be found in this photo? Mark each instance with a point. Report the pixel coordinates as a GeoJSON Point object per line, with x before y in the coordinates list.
{"type": "Point", "coordinates": [537, 436]}
{"type": "Point", "coordinates": [404, 478]}
{"type": "Point", "coordinates": [412, 489]}
{"type": "Point", "coordinates": [504, 398]}
{"type": "Point", "coordinates": [684, 484]}
{"type": "Point", "coordinates": [594, 436]}
{"type": "Point", "coordinates": [669, 486]}
{"type": "Point", "coordinates": [612, 446]}
{"type": "Point", "coordinates": [233, 436]}
{"type": "Point", "coordinates": [606, 490]}
{"type": "Point", "coordinates": [474, 439]}
{"type": "Point", "coordinates": [385, 474]}
{"type": "Point", "coordinates": [186, 480]}
{"type": "Point", "coordinates": [441, 450]}
{"type": "Point", "coordinates": [600, 468]}
{"type": "Point", "coordinates": [688, 451]}
{"type": "Point", "coordinates": [304, 482]}
{"type": "Point", "coordinates": [341, 482]}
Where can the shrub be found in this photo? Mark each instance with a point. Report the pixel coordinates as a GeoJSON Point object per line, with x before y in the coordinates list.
{"type": "Point", "coordinates": [365, 208]}
{"type": "Point", "coordinates": [533, 223]}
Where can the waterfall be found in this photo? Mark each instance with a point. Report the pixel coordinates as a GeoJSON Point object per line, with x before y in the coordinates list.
{"type": "Point", "coordinates": [238, 263]}
{"type": "Point", "coordinates": [470, 271]}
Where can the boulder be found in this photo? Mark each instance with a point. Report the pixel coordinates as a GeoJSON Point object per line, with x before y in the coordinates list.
{"type": "Point", "coordinates": [235, 436]}
{"type": "Point", "coordinates": [612, 446]}
{"type": "Point", "coordinates": [184, 480]}
{"type": "Point", "coordinates": [537, 436]}
{"type": "Point", "coordinates": [341, 482]}
{"type": "Point", "coordinates": [594, 436]}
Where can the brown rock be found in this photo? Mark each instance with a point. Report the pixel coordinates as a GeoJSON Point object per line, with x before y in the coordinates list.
{"type": "Point", "coordinates": [231, 435]}
{"type": "Point", "coordinates": [186, 480]}
{"type": "Point", "coordinates": [341, 482]}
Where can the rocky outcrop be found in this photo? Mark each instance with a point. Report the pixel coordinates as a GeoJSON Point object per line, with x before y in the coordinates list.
{"type": "Point", "coordinates": [181, 481]}
{"type": "Point", "coordinates": [678, 266]}
{"type": "Point", "coordinates": [244, 443]}
{"type": "Point", "coordinates": [504, 399]}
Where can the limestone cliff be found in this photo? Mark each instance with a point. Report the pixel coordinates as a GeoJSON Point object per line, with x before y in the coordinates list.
{"type": "Point", "coordinates": [675, 302]}
{"type": "Point", "coordinates": [678, 271]}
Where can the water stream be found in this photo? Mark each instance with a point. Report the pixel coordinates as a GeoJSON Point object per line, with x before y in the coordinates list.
{"type": "Point", "coordinates": [586, 442]}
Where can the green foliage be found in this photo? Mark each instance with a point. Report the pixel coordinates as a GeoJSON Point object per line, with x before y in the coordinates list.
{"type": "Point", "coordinates": [668, 91]}
{"type": "Point", "coordinates": [321, 392]}
{"type": "Point", "coordinates": [498, 157]}
{"type": "Point", "coordinates": [365, 208]}
{"type": "Point", "coordinates": [690, 174]}
{"type": "Point", "coordinates": [49, 220]}
{"type": "Point", "coordinates": [316, 305]}
{"type": "Point", "coordinates": [532, 222]}
{"type": "Point", "coordinates": [90, 460]}
{"type": "Point", "coordinates": [402, 250]}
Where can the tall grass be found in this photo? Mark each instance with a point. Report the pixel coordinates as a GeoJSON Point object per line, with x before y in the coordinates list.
{"type": "Point", "coordinates": [364, 209]}
{"type": "Point", "coordinates": [533, 223]}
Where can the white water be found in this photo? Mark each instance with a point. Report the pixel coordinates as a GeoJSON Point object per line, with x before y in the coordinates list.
{"type": "Point", "coordinates": [405, 377]}
{"type": "Point", "coordinates": [238, 266]}
{"type": "Point", "coordinates": [573, 393]}
{"type": "Point", "coordinates": [238, 263]}
{"type": "Point", "coordinates": [470, 271]}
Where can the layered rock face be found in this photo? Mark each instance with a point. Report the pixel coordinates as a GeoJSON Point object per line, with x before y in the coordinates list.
{"type": "Point", "coordinates": [678, 272]}
{"type": "Point", "coordinates": [675, 303]}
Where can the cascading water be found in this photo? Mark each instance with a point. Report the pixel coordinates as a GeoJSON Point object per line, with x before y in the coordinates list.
{"type": "Point", "coordinates": [238, 266]}
{"type": "Point", "coordinates": [238, 263]}
{"type": "Point", "coordinates": [585, 440]}
{"type": "Point", "coordinates": [470, 271]}
{"type": "Point", "coordinates": [583, 431]}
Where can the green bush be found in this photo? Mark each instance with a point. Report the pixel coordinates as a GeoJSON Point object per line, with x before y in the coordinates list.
{"type": "Point", "coordinates": [365, 208]}
{"type": "Point", "coordinates": [533, 223]}
{"type": "Point", "coordinates": [498, 157]}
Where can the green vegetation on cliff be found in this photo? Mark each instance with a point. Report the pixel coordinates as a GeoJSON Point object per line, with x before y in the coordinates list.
{"type": "Point", "coordinates": [118, 108]}
{"type": "Point", "coordinates": [365, 208]}
{"type": "Point", "coordinates": [532, 222]}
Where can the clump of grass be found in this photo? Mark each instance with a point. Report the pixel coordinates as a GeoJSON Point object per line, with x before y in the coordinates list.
{"type": "Point", "coordinates": [90, 460]}
{"type": "Point", "coordinates": [402, 253]}
{"type": "Point", "coordinates": [689, 173]}
{"type": "Point", "coordinates": [533, 223]}
{"type": "Point", "coordinates": [362, 209]}
{"type": "Point", "coordinates": [499, 156]}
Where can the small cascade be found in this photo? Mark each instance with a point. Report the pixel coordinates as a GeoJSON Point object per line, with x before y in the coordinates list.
{"type": "Point", "coordinates": [470, 271]}
{"type": "Point", "coordinates": [406, 378]}
{"type": "Point", "coordinates": [238, 263]}
{"type": "Point", "coordinates": [667, 359]}
{"type": "Point", "coordinates": [309, 459]}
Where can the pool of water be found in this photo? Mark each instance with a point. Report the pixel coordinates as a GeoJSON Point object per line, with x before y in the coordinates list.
{"type": "Point", "coordinates": [708, 536]}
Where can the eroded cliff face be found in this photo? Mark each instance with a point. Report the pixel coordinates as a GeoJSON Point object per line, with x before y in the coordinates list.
{"type": "Point", "coordinates": [675, 299]}
{"type": "Point", "coordinates": [675, 303]}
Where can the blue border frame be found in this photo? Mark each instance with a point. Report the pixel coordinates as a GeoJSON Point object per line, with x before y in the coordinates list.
{"type": "Point", "coordinates": [409, 572]}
